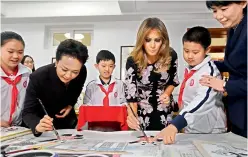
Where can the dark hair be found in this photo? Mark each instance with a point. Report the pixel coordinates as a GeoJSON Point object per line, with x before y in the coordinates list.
{"type": "Point", "coordinates": [8, 35]}
{"type": "Point", "coordinates": [210, 4]}
{"type": "Point", "coordinates": [198, 35]}
{"type": "Point", "coordinates": [105, 55]}
{"type": "Point", "coordinates": [73, 48]}
{"type": "Point", "coordinates": [24, 58]}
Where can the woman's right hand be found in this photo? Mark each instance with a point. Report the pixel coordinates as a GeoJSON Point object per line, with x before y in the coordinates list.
{"type": "Point", "coordinates": [4, 124]}
{"type": "Point", "coordinates": [46, 124]}
{"type": "Point", "coordinates": [132, 121]}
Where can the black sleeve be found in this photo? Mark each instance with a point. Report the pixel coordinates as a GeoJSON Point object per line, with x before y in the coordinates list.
{"type": "Point", "coordinates": [130, 81]}
{"type": "Point", "coordinates": [31, 106]}
{"type": "Point", "coordinates": [77, 88]}
{"type": "Point", "coordinates": [173, 69]}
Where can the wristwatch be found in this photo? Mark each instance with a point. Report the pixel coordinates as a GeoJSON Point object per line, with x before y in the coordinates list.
{"type": "Point", "coordinates": [224, 86]}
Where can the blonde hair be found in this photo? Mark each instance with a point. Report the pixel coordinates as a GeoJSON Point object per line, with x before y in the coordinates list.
{"type": "Point", "coordinates": [139, 54]}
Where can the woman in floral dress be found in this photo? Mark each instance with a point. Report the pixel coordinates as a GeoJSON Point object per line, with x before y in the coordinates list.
{"type": "Point", "coordinates": [151, 76]}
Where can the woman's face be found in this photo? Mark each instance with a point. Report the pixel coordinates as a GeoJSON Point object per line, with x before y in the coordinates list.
{"type": "Point", "coordinates": [68, 68]}
{"type": "Point", "coordinates": [153, 42]}
{"type": "Point", "coordinates": [29, 62]}
{"type": "Point", "coordinates": [229, 16]}
{"type": "Point", "coordinates": [11, 53]}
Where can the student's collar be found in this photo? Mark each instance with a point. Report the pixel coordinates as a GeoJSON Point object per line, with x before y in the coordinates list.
{"type": "Point", "coordinates": [206, 60]}
{"type": "Point", "coordinates": [101, 82]}
{"type": "Point", "coordinates": [21, 70]}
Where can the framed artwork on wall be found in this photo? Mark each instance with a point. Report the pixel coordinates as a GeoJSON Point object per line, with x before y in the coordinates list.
{"type": "Point", "coordinates": [53, 60]}
{"type": "Point", "coordinates": [125, 52]}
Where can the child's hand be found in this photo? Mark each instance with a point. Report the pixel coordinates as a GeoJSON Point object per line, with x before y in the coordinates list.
{"type": "Point", "coordinates": [168, 134]}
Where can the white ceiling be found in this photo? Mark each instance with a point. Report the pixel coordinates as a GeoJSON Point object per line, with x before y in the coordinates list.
{"type": "Point", "coordinates": [105, 10]}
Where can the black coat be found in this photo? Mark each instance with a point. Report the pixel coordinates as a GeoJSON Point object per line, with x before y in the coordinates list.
{"type": "Point", "coordinates": [54, 94]}
{"type": "Point", "coordinates": [235, 62]}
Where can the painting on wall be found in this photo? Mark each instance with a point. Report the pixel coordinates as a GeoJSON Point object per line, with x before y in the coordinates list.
{"type": "Point", "coordinates": [125, 52]}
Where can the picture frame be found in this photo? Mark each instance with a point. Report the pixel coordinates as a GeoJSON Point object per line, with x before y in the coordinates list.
{"type": "Point", "coordinates": [125, 53]}
{"type": "Point", "coordinates": [53, 59]}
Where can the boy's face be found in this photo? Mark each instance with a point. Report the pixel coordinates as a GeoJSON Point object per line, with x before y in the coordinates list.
{"type": "Point", "coordinates": [105, 68]}
{"type": "Point", "coordinates": [194, 53]}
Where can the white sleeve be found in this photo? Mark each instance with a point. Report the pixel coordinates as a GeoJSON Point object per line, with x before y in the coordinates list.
{"type": "Point", "coordinates": [87, 96]}
{"type": "Point", "coordinates": [203, 103]}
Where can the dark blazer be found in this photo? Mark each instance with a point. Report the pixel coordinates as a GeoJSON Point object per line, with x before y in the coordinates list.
{"type": "Point", "coordinates": [235, 62]}
{"type": "Point", "coordinates": [55, 95]}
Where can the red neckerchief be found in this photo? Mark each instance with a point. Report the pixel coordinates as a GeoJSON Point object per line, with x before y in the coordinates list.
{"type": "Point", "coordinates": [186, 77]}
{"type": "Point", "coordinates": [106, 98]}
{"type": "Point", "coordinates": [14, 91]}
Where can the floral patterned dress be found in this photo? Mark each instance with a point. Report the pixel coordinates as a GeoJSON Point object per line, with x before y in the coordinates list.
{"type": "Point", "coordinates": [145, 89]}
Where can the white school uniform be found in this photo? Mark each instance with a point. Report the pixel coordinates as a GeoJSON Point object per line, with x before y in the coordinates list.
{"type": "Point", "coordinates": [203, 109]}
{"type": "Point", "coordinates": [6, 95]}
{"type": "Point", "coordinates": [94, 95]}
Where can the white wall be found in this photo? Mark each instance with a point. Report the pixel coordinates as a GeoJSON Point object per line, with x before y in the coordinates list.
{"type": "Point", "coordinates": [107, 35]}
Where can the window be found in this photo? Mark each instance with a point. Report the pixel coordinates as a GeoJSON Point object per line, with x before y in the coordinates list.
{"type": "Point", "coordinates": [83, 36]}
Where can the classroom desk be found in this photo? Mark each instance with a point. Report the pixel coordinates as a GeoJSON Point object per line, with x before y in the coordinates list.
{"type": "Point", "coordinates": [185, 145]}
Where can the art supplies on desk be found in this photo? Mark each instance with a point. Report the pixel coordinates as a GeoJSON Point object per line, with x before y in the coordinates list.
{"type": "Point", "coordinates": [88, 155]}
{"type": "Point", "coordinates": [35, 153]}
{"type": "Point", "coordinates": [220, 149]}
{"type": "Point", "coordinates": [54, 130]}
{"type": "Point", "coordinates": [13, 131]}
{"type": "Point", "coordinates": [98, 142]}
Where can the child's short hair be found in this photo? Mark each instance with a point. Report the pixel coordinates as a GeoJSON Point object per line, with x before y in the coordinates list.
{"type": "Point", "coordinates": [105, 55]}
{"type": "Point", "coordinates": [198, 35]}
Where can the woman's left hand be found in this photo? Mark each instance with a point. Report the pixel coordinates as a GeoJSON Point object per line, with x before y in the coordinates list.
{"type": "Point", "coordinates": [164, 99]}
{"type": "Point", "coordinates": [213, 82]}
{"type": "Point", "coordinates": [65, 111]}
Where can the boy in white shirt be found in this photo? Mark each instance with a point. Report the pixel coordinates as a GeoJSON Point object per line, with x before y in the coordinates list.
{"type": "Point", "coordinates": [105, 91]}
{"type": "Point", "coordinates": [202, 110]}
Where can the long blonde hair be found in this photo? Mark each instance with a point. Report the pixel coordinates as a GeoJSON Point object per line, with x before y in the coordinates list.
{"type": "Point", "coordinates": [139, 54]}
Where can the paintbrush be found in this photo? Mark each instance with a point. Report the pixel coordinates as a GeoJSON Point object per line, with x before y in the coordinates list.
{"type": "Point", "coordinates": [54, 130]}
{"type": "Point", "coordinates": [140, 125]}
{"type": "Point", "coordinates": [20, 150]}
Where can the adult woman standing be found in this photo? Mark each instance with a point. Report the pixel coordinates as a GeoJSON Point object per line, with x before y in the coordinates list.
{"type": "Point", "coordinates": [151, 76]}
{"type": "Point", "coordinates": [232, 15]}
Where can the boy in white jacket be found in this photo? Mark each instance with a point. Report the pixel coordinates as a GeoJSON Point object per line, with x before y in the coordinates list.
{"type": "Point", "coordinates": [202, 110]}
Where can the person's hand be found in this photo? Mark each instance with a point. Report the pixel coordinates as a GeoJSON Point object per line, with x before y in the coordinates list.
{"type": "Point", "coordinates": [168, 134]}
{"type": "Point", "coordinates": [132, 121]}
{"type": "Point", "coordinates": [65, 111]}
{"type": "Point", "coordinates": [4, 124]}
{"type": "Point", "coordinates": [46, 124]}
{"type": "Point", "coordinates": [212, 82]}
{"type": "Point", "coordinates": [164, 99]}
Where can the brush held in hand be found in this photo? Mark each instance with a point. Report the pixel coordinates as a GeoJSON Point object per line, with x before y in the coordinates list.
{"type": "Point", "coordinates": [54, 130]}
